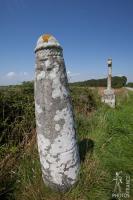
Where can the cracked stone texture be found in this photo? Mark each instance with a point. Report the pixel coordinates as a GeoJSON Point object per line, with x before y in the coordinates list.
{"type": "Point", "coordinates": [55, 124]}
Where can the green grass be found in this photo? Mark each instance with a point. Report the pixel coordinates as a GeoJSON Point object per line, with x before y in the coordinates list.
{"type": "Point", "coordinates": [105, 138]}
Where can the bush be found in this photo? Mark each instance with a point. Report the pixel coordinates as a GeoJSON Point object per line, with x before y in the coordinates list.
{"type": "Point", "coordinates": [130, 84]}
{"type": "Point", "coordinates": [17, 113]}
{"type": "Point", "coordinates": [117, 82]}
{"type": "Point", "coordinates": [84, 100]}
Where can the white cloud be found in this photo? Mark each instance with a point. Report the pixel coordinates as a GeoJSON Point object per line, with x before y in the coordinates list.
{"type": "Point", "coordinates": [75, 74]}
{"type": "Point", "coordinates": [72, 74]}
{"type": "Point", "coordinates": [22, 74]}
{"type": "Point", "coordinates": [119, 75]}
{"type": "Point", "coordinates": [10, 75]}
{"type": "Point", "coordinates": [68, 72]}
{"type": "Point", "coordinates": [14, 75]}
{"type": "Point", "coordinates": [15, 78]}
{"type": "Point", "coordinates": [25, 74]}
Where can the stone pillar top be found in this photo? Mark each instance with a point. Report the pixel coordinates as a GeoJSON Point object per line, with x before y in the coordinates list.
{"type": "Point", "coordinates": [109, 61]}
{"type": "Point", "coordinates": [47, 41]}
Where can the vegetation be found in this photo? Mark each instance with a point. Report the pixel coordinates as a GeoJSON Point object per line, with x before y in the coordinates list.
{"type": "Point", "coordinates": [130, 84]}
{"type": "Point", "coordinates": [117, 82]}
{"type": "Point", "coordinates": [105, 138]}
{"type": "Point", "coordinates": [17, 113]}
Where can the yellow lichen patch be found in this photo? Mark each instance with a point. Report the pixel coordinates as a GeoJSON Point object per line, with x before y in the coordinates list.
{"type": "Point", "coordinates": [46, 37]}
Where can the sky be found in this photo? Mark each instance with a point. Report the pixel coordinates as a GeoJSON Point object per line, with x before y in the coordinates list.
{"type": "Point", "coordinates": [90, 32]}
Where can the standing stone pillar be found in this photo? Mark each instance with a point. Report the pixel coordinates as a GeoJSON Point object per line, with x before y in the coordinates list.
{"type": "Point", "coordinates": [109, 62]}
{"type": "Point", "coordinates": [56, 135]}
{"type": "Point", "coordinates": [109, 96]}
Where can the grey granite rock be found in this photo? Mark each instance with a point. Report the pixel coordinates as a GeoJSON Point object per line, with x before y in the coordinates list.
{"type": "Point", "coordinates": [55, 124]}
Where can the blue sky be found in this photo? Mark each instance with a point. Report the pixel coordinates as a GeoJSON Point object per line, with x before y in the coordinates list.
{"type": "Point", "coordinates": [89, 31]}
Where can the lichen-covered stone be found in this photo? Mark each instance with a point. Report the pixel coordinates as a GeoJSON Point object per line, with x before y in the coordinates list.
{"type": "Point", "coordinates": [56, 135]}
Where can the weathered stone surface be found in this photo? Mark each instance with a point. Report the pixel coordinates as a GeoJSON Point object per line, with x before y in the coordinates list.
{"type": "Point", "coordinates": [109, 96]}
{"type": "Point", "coordinates": [56, 135]}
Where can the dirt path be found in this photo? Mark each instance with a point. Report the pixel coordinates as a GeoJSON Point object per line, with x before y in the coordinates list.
{"type": "Point", "coordinates": [128, 88]}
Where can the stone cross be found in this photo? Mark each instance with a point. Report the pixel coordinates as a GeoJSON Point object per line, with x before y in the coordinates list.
{"type": "Point", "coordinates": [56, 136]}
{"type": "Point", "coordinates": [109, 96]}
{"type": "Point", "coordinates": [109, 62]}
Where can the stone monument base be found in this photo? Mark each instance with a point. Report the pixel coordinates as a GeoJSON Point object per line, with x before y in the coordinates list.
{"type": "Point", "coordinates": [109, 97]}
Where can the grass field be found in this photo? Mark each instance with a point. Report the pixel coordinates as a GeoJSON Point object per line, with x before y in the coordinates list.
{"type": "Point", "coordinates": [105, 138]}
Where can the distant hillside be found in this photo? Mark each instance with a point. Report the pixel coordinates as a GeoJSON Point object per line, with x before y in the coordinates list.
{"type": "Point", "coordinates": [117, 82]}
